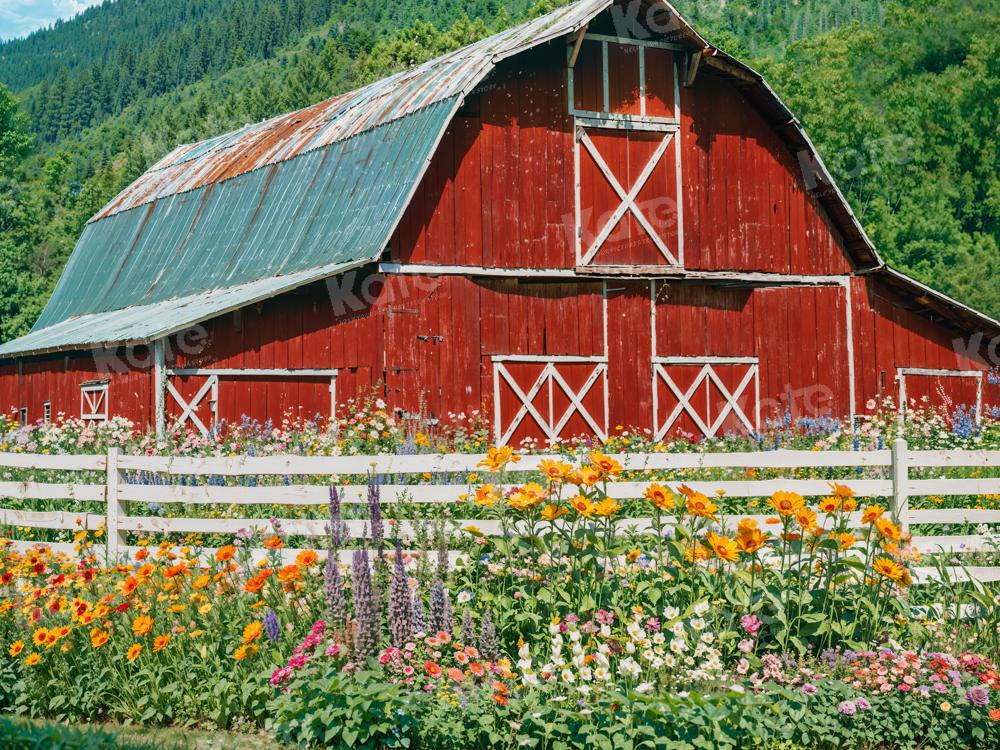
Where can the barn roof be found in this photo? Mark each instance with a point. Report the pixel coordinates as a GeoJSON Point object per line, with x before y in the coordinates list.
{"type": "Point", "coordinates": [227, 222]}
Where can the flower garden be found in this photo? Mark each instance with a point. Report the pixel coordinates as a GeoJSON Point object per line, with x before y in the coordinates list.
{"type": "Point", "coordinates": [568, 628]}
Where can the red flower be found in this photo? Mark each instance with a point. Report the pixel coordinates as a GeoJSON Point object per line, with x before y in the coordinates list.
{"type": "Point", "coordinates": [434, 670]}
{"type": "Point", "coordinates": [123, 607]}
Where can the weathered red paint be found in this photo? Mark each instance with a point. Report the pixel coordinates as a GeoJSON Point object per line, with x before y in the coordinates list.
{"type": "Point", "coordinates": [499, 194]}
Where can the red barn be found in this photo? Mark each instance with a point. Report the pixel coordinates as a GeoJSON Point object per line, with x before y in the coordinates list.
{"type": "Point", "coordinates": [594, 219]}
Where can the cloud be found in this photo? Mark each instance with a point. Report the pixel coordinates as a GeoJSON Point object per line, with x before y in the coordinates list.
{"type": "Point", "coordinates": [20, 17]}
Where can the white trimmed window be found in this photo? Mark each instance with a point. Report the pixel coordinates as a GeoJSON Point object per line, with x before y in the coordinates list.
{"type": "Point", "coordinates": [94, 401]}
{"type": "Point", "coordinates": [47, 412]}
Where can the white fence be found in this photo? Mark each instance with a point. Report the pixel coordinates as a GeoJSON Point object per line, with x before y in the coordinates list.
{"type": "Point", "coordinates": [894, 466]}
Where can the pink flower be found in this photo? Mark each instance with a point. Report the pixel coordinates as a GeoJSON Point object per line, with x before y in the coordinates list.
{"type": "Point", "coordinates": [746, 646]}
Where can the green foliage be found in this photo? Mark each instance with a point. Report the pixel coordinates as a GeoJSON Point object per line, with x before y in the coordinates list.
{"type": "Point", "coordinates": [18, 735]}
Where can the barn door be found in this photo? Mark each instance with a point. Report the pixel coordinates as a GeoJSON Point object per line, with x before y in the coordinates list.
{"type": "Point", "coordinates": [626, 196]}
{"type": "Point", "coordinates": [195, 402]}
{"type": "Point", "coordinates": [951, 391]}
{"type": "Point", "coordinates": [705, 397]}
{"type": "Point", "coordinates": [549, 398]}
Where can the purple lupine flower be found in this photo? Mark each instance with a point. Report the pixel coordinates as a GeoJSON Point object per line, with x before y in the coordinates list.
{"type": "Point", "coordinates": [400, 605]}
{"type": "Point", "coordinates": [333, 585]}
{"type": "Point", "coordinates": [847, 708]}
{"type": "Point", "coordinates": [489, 644]}
{"type": "Point", "coordinates": [272, 628]}
{"type": "Point", "coordinates": [366, 610]}
{"type": "Point", "coordinates": [440, 616]}
{"type": "Point", "coordinates": [468, 628]}
{"type": "Point", "coordinates": [442, 553]}
{"type": "Point", "coordinates": [375, 515]}
{"type": "Point", "coordinates": [417, 617]}
{"type": "Point", "coordinates": [978, 695]}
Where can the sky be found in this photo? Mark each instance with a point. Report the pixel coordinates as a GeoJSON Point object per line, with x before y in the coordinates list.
{"type": "Point", "coordinates": [20, 17]}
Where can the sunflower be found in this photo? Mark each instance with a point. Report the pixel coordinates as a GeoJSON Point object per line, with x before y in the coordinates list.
{"type": "Point", "coordinates": [829, 504]}
{"type": "Point", "coordinates": [39, 636]}
{"type": "Point", "coordinates": [98, 637]}
{"type": "Point", "coordinates": [888, 568]}
{"type": "Point", "coordinates": [16, 648]}
{"type": "Point", "coordinates": [660, 497]}
{"type": "Point", "coordinates": [587, 475]}
{"type": "Point", "coordinates": [847, 540]}
{"type": "Point", "coordinates": [133, 652]}
{"type": "Point", "coordinates": [805, 517]}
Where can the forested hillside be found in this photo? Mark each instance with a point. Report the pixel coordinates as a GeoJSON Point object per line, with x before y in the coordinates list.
{"type": "Point", "coordinates": [900, 97]}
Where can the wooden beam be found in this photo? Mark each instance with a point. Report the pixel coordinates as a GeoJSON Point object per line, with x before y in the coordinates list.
{"type": "Point", "coordinates": [692, 68]}
{"type": "Point", "coordinates": [576, 46]}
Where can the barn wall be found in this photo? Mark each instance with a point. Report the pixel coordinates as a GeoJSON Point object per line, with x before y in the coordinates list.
{"type": "Point", "coordinates": [57, 379]}
{"type": "Point", "coordinates": [500, 189]}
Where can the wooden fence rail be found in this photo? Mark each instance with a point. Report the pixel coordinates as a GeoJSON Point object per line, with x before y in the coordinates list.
{"type": "Point", "coordinates": [200, 480]}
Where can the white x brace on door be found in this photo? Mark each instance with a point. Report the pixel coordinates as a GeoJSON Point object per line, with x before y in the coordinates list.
{"type": "Point", "coordinates": [557, 397]}
{"type": "Point", "coordinates": [708, 390]}
{"type": "Point", "coordinates": [603, 215]}
{"type": "Point", "coordinates": [189, 409]}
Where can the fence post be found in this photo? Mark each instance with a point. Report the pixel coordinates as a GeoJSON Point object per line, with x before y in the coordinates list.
{"type": "Point", "coordinates": [900, 477]}
{"type": "Point", "coordinates": [115, 537]}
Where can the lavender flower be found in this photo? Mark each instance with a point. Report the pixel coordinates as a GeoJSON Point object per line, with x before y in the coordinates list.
{"type": "Point", "coordinates": [366, 610]}
{"type": "Point", "coordinates": [375, 514]}
{"type": "Point", "coordinates": [333, 586]}
{"type": "Point", "coordinates": [809, 689]}
{"type": "Point", "coordinates": [442, 556]}
{"type": "Point", "coordinates": [847, 708]}
{"type": "Point", "coordinates": [862, 704]}
{"type": "Point", "coordinates": [400, 605]}
{"type": "Point", "coordinates": [489, 645]}
{"type": "Point", "coordinates": [978, 695]}
{"type": "Point", "coordinates": [272, 628]}
{"type": "Point", "coordinates": [440, 610]}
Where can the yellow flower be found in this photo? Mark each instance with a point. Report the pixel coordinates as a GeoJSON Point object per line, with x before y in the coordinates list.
{"type": "Point", "coordinates": [526, 497]}
{"type": "Point", "coordinates": [487, 496]}
{"type": "Point", "coordinates": [252, 632]}
{"type": "Point", "coordinates": [805, 517]}
{"type": "Point", "coordinates": [606, 507]}
{"type": "Point", "coordinates": [142, 625]}
{"type": "Point", "coordinates": [661, 497]}
{"type": "Point", "coordinates": [39, 636]}
{"type": "Point", "coordinates": [699, 505]}
{"type": "Point", "coordinates": [551, 512]}
{"type": "Point", "coordinates": [887, 529]}
{"type": "Point", "coordinates": [888, 568]}
{"type": "Point", "coordinates": [846, 540]}
{"type": "Point", "coordinates": [555, 469]}
{"type": "Point", "coordinates": [723, 547]}
{"type": "Point", "coordinates": [587, 475]}
{"type": "Point", "coordinates": [749, 538]}
{"type": "Point", "coordinates": [133, 652]}
{"type": "Point", "coordinates": [201, 582]}
{"type": "Point", "coordinates": [945, 706]}
{"type": "Point", "coordinates": [497, 458]}
{"type": "Point", "coordinates": [98, 637]}
{"type": "Point", "coordinates": [786, 503]}
{"type": "Point", "coordinates": [829, 504]}
{"type": "Point", "coordinates": [604, 464]}
{"type": "Point", "coordinates": [32, 659]}
{"type": "Point", "coordinates": [841, 490]}
{"type": "Point", "coordinates": [16, 648]}
{"type": "Point", "coordinates": [582, 505]}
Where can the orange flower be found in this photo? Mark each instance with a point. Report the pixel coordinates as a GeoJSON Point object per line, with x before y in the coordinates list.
{"type": "Point", "coordinates": [846, 540]}
{"type": "Point", "coordinates": [805, 517]}
{"type": "Point", "coordinates": [699, 505]}
{"type": "Point", "coordinates": [604, 464]}
{"type": "Point", "coordinates": [244, 652]}
{"type": "Point", "coordinates": [129, 585]}
{"type": "Point", "coordinates": [142, 625]}
{"type": "Point", "coordinates": [32, 659]}
{"type": "Point", "coordinates": [254, 584]}
{"type": "Point", "coordinates": [456, 674]}
{"type": "Point", "coordinates": [588, 476]}
{"type": "Point", "coordinates": [306, 558]}
{"type": "Point", "coordinates": [582, 505]}
{"type": "Point", "coordinates": [289, 573]}
{"type": "Point", "coordinates": [994, 714]}
{"type": "Point", "coordinates": [487, 496]}
{"type": "Point", "coordinates": [660, 497]}
{"type": "Point", "coordinates": [273, 542]}
{"type": "Point", "coordinates": [133, 652]}
{"type": "Point", "coordinates": [160, 643]}
{"type": "Point", "coordinates": [723, 547]}
{"type": "Point", "coordinates": [697, 552]}
{"type": "Point", "coordinates": [433, 669]}
{"type": "Point", "coordinates": [16, 648]}
{"type": "Point", "coordinates": [606, 507]}
{"type": "Point", "coordinates": [786, 503]}
{"type": "Point", "coordinates": [225, 554]}
{"type": "Point", "coordinates": [252, 632]}
{"type": "Point", "coordinates": [551, 512]}
{"type": "Point", "coordinates": [98, 637]}
{"type": "Point", "coordinates": [849, 505]}
{"type": "Point", "coordinates": [749, 539]}
{"type": "Point", "coordinates": [872, 513]}
{"type": "Point", "coordinates": [526, 497]}
{"type": "Point", "coordinates": [841, 490]}
{"type": "Point", "coordinates": [201, 582]}
{"type": "Point", "coordinates": [887, 529]}
{"type": "Point", "coordinates": [39, 636]}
